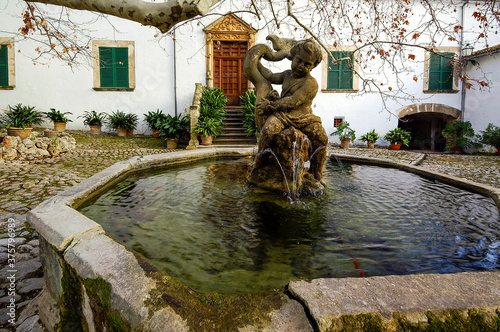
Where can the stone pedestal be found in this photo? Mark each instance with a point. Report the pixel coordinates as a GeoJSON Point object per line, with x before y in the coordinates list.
{"type": "Point", "coordinates": [282, 167]}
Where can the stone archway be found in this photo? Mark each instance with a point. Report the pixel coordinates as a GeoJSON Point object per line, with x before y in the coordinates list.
{"type": "Point", "coordinates": [227, 41]}
{"type": "Point", "coordinates": [426, 123]}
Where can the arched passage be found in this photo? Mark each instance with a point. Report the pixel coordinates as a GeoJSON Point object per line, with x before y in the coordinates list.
{"type": "Point", "coordinates": [426, 123]}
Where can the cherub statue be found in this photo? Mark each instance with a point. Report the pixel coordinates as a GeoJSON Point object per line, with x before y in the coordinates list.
{"type": "Point", "coordinates": [293, 108]}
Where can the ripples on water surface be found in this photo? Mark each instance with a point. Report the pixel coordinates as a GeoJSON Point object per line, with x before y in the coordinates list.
{"type": "Point", "coordinates": [202, 224]}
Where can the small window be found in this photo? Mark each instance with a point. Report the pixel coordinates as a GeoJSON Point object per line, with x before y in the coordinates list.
{"type": "Point", "coordinates": [441, 71]}
{"type": "Point", "coordinates": [4, 65]}
{"type": "Point", "coordinates": [340, 75]}
{"type": "Point", "coordinates": [113, 65]}
{"type": "Point", "coordinates": [337, 121]}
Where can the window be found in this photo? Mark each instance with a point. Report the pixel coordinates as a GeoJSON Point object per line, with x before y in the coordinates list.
{"type": "Point", "coordinates": [337, 121]}
{"type": "Point", "coordinates": [113, 65]}
{"type": "Point", "coordinates": [340, 74]}
{"type": "Point", "coordinates": [439, 76]}
{"type": "Point", "coordinates": [340, 77]}
{"type": "Point", "coordinates": [441, 71]}
{"type": "Point", "coordinates": [7, 78]}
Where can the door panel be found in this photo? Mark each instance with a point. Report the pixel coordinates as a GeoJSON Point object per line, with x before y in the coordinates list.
{"type": "Point", "coordinates": [228, 69]}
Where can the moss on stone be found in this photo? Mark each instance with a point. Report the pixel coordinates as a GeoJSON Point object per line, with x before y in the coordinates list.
{"type": "Point", "coordinates": [99, 293]}
{"type": "Point", "coordinates": [70, 308]}
{"type": "Point", "coordinates": [453, 320]}
{"type": "Point", "coordinates": [207, 311]}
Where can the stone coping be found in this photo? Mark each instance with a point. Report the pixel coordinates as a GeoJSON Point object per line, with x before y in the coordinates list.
{"type": "Point", "coordinates": [86, 247]}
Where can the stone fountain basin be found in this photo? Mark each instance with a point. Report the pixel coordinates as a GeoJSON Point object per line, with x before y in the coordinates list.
{"type": "Point", "coordinates": [89, 273]}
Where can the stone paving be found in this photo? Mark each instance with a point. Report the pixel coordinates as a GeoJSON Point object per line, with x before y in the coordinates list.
{"type": "Point", "coordinates": [24, 184]}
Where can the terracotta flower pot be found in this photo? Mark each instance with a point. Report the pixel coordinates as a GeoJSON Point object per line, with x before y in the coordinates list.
{"type": "Point", "coordinates": [23, 133]}
{"type": "Point", "coordinates": [121, 132]}
{"type": "Point", "coordinates": [206, 140]}
{"type": "Point", "coordinates": [130, 132]}
{"type": "Point", "coordinates": [371, 145]}
{"type": "Point", "coordinates": [344, 144]}
{"type": "Point", "coordinates": [95, 130]}
{"type": "Point", "coordinates": [172, 143]}
{"type": "Point", "coordinates": [60, 126]}
{"type": "Point", "coordinates": [51, 133]}
{"type": "Point", "coordinates": [498, 149]}
{"type": "Point", "coordinates": [395, 146]}
{"type": "Point", "coordinates": [156, 133]}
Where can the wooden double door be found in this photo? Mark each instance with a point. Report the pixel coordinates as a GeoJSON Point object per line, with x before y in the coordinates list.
{"type": "Point", "coordinates": [228, 69]}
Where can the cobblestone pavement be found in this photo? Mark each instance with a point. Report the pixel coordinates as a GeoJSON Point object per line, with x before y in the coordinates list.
{"type": "Point", "coordinates": [24, 184]}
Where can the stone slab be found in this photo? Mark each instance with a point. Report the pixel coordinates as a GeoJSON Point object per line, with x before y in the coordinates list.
{"type": "Point", "coordinates": [413, 295]}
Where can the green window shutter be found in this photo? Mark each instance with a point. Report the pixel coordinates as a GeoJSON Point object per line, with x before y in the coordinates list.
{"type": "Point", "coordinates": [4, 65]}
{"type": "Point", "coordinates": [340, 76]}
{"type": "Point", "coordinates": [121, 68]}
{"type": "Point", "coordinates": [114, 67]}
{"type": "Point", "coordinates": [441, 71]}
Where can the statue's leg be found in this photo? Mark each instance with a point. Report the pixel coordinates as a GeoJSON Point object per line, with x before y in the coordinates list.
{"type": "Point", "coordinates": [271, 128]}
{"type": "Point", "coordinates": [319, 141]}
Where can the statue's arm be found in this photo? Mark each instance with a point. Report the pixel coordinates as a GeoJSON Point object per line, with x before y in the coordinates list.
{"type": "Point", "coordinates": [304, 95]}
{"type": "Point", "coordinates": [274, 78]}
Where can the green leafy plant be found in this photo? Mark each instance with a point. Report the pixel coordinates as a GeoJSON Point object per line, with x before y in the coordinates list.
{"type": "Point", "coordinates": [248, 101]}
{"type": "Point", "coordinates": [116, 119]}
{"type": "Point", "coordinates": [398, 136]}
{"type": "Point", "coordinates": [174, 127]}
{"type": "Point", "coordinates": [344, 131]}
{"type": "Point", "coordinates": [20, 116]}
{"type": "Point", "coordinates": [154, 119]}
{"type": "Point", "coordinates": [208, 127]}
{"type": "Point", "coordinates": [210, 121]}
{"type": "Point", "coordinates": [58, 116]}
{"type": "Point", "coordinates": [92, 118]}
{"type": "Point", "coordinates": [370, 137]}
{"type": "Point", "coordinates": [491, 135]}
{"type": "Point", "coordinates": [130, 121]}
{"type": "Point", "coordinates": [460, 136]}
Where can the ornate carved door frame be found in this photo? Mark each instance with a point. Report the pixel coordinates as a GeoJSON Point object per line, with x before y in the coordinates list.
{"type": "Point", "coordinates": [228, 28]}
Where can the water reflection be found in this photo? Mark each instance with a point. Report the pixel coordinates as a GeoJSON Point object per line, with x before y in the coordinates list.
{"type": "Point", "coordinates": [203, 224]}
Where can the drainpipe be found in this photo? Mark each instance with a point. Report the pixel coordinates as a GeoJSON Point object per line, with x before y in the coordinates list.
{"type": "Point", "coordinates": [175, 75]}
{"type": "Point", "coordinates": [462, 99]}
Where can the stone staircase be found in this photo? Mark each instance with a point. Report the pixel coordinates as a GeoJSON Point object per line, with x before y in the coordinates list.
{"type": "Point", "coordinates": [234, 132]}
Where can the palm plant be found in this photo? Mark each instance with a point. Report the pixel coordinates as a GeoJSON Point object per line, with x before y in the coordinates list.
{"type": "Point", "coordinates": [57, 116]}
{"type": "Point", "coordinates": [20, 116]}
{"type": "Point", "coordinates": [248, 101]}
{"type": "Point", "coordinates": [93, 118]}
{"type": "Point", "coordinates": [154, 119]}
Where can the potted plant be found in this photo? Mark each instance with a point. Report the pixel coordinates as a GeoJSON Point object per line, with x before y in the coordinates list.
{"type": "Point", "coordinates": [211, 119]}
{"type": "Point", "coordinates": [459, 136]}
{"type": "Point", "coordinates": [398, 137]}
{"type": "Point", "coordinates": [248, 101]}
{"type": "Point", "coordinates": [116, 120]}
{"type": "Point", "coordinates": [94, 120]}
{"type": "Point", "coordinates": [345, 133]}
{"type": "Point", "coordinates": [491, 136]}
{"type": "Point", "coordinates": [59, 118]}
{"type": "Point", "coordinates": [154, 121]}
{"type": "Point", "coordinates": [18, 120]}
{"type": "Point", "coordinates": [130, 123]}
{"type": "Point", "coordinates": [370, 138]}
{"type": "Point", "coordinates": [172, 128]}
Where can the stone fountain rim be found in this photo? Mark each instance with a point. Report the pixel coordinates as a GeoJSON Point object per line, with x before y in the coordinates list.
{"type": "Point", "coordinates": [78, 238]}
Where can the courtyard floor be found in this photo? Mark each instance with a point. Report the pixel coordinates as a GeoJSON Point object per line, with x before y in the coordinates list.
{"type": "Point", "coordinates": [24, 184]}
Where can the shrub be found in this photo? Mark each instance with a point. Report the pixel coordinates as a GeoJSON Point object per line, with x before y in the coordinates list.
{"type": "Point", "coordinates": [20, 116]}
{"type": "Point", "coordinates": [398, 136]}
{"type": "Point", "coordinates": [248, 101]}
{"type": "Point", "coordinates": [58, 116]}
{"type": "Point", "coordinates": [344, 131]}
{"type": "Point", "coordinates": [459, 136]}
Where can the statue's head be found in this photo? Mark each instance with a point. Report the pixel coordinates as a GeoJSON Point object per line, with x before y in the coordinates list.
{"type": "Point", "coordinates": [310, 47]}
